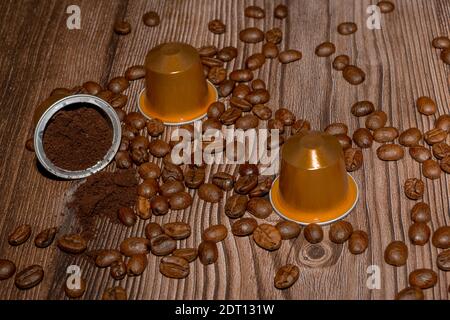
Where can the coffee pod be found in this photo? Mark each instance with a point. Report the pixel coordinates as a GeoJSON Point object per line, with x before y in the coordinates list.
{"type": "Point", "coordinates": [176, 90]}
{"type": "Point", "coordinates": [313, 185]}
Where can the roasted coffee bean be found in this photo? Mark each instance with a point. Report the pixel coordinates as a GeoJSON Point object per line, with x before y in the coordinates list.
{"type": "Point", "coordinates": [60, 91]}
{"type": "Point", "coordinates": [118, 101]}
{"type": "Point", "coordinates": [177, 230]}
{"type": "Point", "coordinates": [441, 42]}
{"type": "Point", "coordinates": [216, 233]}
{"type": "Point", "coordinates": [347, 28]}
{"type": "Point", "coordinates": [336, 128]}
{"type": "Point", "coordinates": [441, 238]}
{"type": "Point", "coordinates": [226, 88]}
{"type": "Point", "coordinates": [118, 270]}
{"type": "Point", "coordinates": [223, 180]}
{"type": "Point", "coordinates": [236, 206]}
{"type": "Point", "coordinates": [263, 187]}
{"type": "Point", "coordinates": [270, 50]}
{"type": "Point", "coordinates": [127, 216]}
{"type": "Point", "coordinates": [128, 131]}
{"type": "Point", "coordinates": [435, 136]}
{"type": "Point", "coordinates": [445, 56]}
{"type": "Point", "coordinates": [325, 49]}
{"type": "Point", "coordinates": [20, 235]}
{"type": "Point", "coordinates": [241, 91]}
{"type": "Point", "coordinates": [313, 233]}
{"type": "Point", "coordinates": [276, 124]}
{"type": "Point", "coordinates": [159, 148]}
{"type": "Point", "coordinates": [170, 188]}
{"type": "Point", "coordinates": [431, 169]}
{"type": "Point", "coordinates": [419, 233]}
{"type": "Point", "coordinates": [149, 170]}
{"type": "Point", "coordinates": [241, 104]}
{"type": "Point", "coordinates": [376, 120]}
{"type": "Point", "coordinates": [139, 156]}
{"type": "Point", "coordinates": [135, 73]}
{"type": "Point", "coordinates": [159, 205]}
{"type": "Point", "coordinates": [289, 56]}
{"type": "Point", "coordinates": [105, 95]}
{"type": "Point", "coordinates": [364, 108]}
{"type": "Point", "coordinates": [248, 169]}
{"type": "Point", "coordinates": [414, 189]}
{"type": "Point", "coordinates": [155, 127]}
{"type": "Point", "coordinates": [45, 238]}
{"type": "Point", "coordinates": [208, 253]}
{"type": "Point", "coordinates": [410, 137]}
{"type": "Point", "coordinates": [262, 112]}
{"type": "Point", "coordinates": [363, 138]}
{"type": "Point", "coordinates": [162, 245]}
{"type": "Point", "coordinates": [288, 229]}
{"type": "Point", "coordinates": [258, 84]}
{"type": "Point", "coordinates": [274, 35]}
{"type": "Point", "coordinates": [122, 28]}
{"type": "Point", "coordinates": [136, 120]}
{"type": "Point", "coordinates": [245, 184]}
{"type": "Point", "coordinates": [29, 277]}
{"type": "Point", "coordinates": [92, 88]}
{"type": "Point", "coordinates": [426, 106]}
{"type": "Point", "coordinates": [148, 188]}
{"type": "Point", "coordinates": [241, 75]}
{"type": "Point", "coordinates": [194, 176]}
{"type": "Point", "coordinates": [227, 54]}
{"type": "Point", "coordinates": [386, 6]}
{"type": "Point", "coordinates": [137, 265]}
{"type": "Point", "coordinates": [215, 110]}
{"type": "Point", "coordinates": [423, 278]}
{"type": "Point", "coordinates": [151, 19]}
{"type": "Point", "coordinates": [207, 51]}
{"type": "Point", "coordinates": [258, 96]}
{"type": "Point", "coordinates": [285, 116]}
{"type": "Point", "coordinates": [281, 11]}
{"type": "Point", "coordinates": [116, 293]}
{"type": "Point", "coordinates": [216, 26]}
{"type": "Point", "coordinates": [267, 237]}
{"type": "Point", "coordinates": [259, 207]}
{"type": "Point", "coordinates": [7, 269]}
{"type": "Point", "coordinates": [133, 246]}
{"type": "Point", "coordinates": [340, 62]}
{"type": "Point", "coordinates": [72, 243]}
{"type": "Point", "coordinates": [180, 201]}
{"type": "Point", "coordinates": [244, 227]}
{"type": "Point", "coordinates": [396, 254]}
{"type": "Point", "coordinates": [421, 213]}
{"type": "Point", "coordinates": [386, 134]}
{"type": "Point", "coordinates": [247, 122]}
{"type": "Point", "coordinates": [217, 75]}
{"type": "Point", "coordinates": [445, 164]}
{"type": "Point", "coordinates": [443, 260]}
{"type": "Point", "coordinates": [390, 152]}
{"type": "Point", "coordinates": [123, 160]}
{"type": "Point", "coordinates": [174, 267]}
{"type": "Point", "coordinates": [75, 292]}
{"type": "Point", "coordinates": [211, 124]}
{"type": "Point", "coordinates": [189, 254]}
{"type": "Point", "coordinates": [441, 150]}
{"type": "Point", "coordinates": [420, 153]}
{"type": "Point", "coordinates": [118, 85]}
{"type": "Point", "coordinates": [212, 62]}
{"type": "Point", "coordinates": [300, 125]}
{"type": "Point", "coordinates": [443, 123]}
{"type": "Point", "coordinates": [353, 159]}
{"type": "Point", "coordinates": [358, 242]}
{"type": "Point", "coordinates": [255, 61]}
{"type": "Point", "coordinates": [354, 75]}
{"type": "Point", "coordinates": [340, 232]}
{"type": "Point", "coordinates": [210, 193]}
{"type": "Point", "coordinates": [286, 277]}
{"type": "Point", "coordinates": [105, 258]}
{"type": "Point", "coordinates": [410, 293]}
{"type": "Point", "coordinates": [152, 230]}
{"type": "Point", "coordinates": [254, 12]}
{"type": "Point", "coordinates": [345, 141]}
{"type": "Point", "coordinates": [251, 35]}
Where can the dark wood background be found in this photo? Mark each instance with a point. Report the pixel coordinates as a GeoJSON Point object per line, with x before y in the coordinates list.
{"type": "Point", "coordinates": [38, 53]}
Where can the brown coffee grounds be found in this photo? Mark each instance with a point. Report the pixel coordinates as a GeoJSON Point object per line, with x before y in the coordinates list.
{"type": "Point", "coordinates": [102, 195]}
{"type": "Point", "coordinates": [77, 138]}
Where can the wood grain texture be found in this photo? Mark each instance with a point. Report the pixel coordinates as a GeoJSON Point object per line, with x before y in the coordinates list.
{"type": "Point", "coordinates": [38, 53]}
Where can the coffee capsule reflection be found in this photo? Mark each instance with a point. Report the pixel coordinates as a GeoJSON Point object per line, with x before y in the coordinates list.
{"type": "Point", "coordinates": [313, 185]}
{"type": "Point", "coordinates": [176, 90]}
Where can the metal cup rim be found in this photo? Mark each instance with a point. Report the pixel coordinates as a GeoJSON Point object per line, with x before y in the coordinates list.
{"type": "Point", "coordinates": [66, 102]}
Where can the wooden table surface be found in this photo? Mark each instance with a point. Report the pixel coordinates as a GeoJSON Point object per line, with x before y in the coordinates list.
{"type": "Point", "coordinates": [39, 53]}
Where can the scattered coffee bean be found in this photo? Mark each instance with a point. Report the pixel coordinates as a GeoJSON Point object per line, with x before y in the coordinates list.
{"type": "Point", "coordinates": [92, 87]}
{"type": "Point", "coordinates": [217, 75]}
{"type": "Point", "coordinates": [118, 101]}
{"type": "Point", "coordinates": [208, 252]}
{"type": "Point", "coordinates": [414, 188]}
{"type": "Point", "coordinates": [443, 123]}
{"type": "Point", "coordinates": [340, 62]}
{"type": "Point", "coordinates": [210, 193]}
{"type": "Point", "coordinates": [345, 141]}
{"type": "Point", "coordinates": [386, 134]}
{"type": "Point", "coordinates": [270, 50]}
{"type": "Point", "coordinates": [136, 121]}
{"type": "Point", "coordinates": [148, 188]}
{"type": "Point", "coordinates": [174, 267]}
{"type": "Point", "coordinates": [396, 254]}
{"type": "Point", "coordinates": [443, 260]}
{"type": "Point", "coordinates": [236, 206]}
{"type": "Point", "coordinates": [410, 293]}
{"type": "Point", "coordinates": [189, 254]}
{"type": "Point", "coordinates": [116, 293]}
{"type": "Point", "coordinates": [336, 128]}
{"type": "Point", "coordinates": [215, 110]}
{"type": "Point", "coordinates": [288, 229]}
{"type": "Point", "coordinates": [155, 127]}
{"type": "Point", "coordinates": [216, 26]}
{"type": "Point", "coordinates": [194, 176]}
{"type": "Point", "coordinates": [208, 51]}
{"type": "Point", "coordinates": [410, 137]}
{"type": "Point", "coordinates": [152, 230]}
{"type": "Point", "coordinates": [289, 56]}
{"type": "Point", "coordinates": [122, 28]}
{"type": "Point", "coordinates": [20, 235]}
{"type": "Point", "coordinates": [251, 35]}
{"type": "Point", "coordinates": [159, 148]}
{"type": "Point", "coordinates": [426, 106]}
{"type": "Point", "coordinates": [390, 152]}
{"type": "Point", "coordinates": [285, 116]}
{"type": "Point", "coordinates": [300, 125]}
{"type": "Point", "coordinates": [151, 19]}
{"type": "Point", "coordinates": [133, 246]}
{"type": "Point", "coordinates": [74, 292]}
{"type": "Point", "coordinates": [354, 75]}
{"type": "Point", "coordinates": [260, 208]}
{"type": "Point", "coordinates": [286, 276]}
{"type": "Point", "coordinates": [441, 238]}
{"type": "Point", "coordinates": [215, 233]}
{"type": "Point", "coordinates": [274, 35]}
{"type": "Point", "coordinates": [431, 169]}
{"type": "Point", "coordinates": [258, 84]}
{"type": "Point", "coordinates": [244, 227]}
{"type": "Point", "coordinates": [45, 238]}
{"type": "Point", "coordinates": [227, 54]}
{"type": "Point", "coordinates": [340, 232]}
{"type": "Point", "coordinates": [245, 184]}
{"type": "Point", "coordinates": [441, 42]}
{"type": "Point", "coordinates": [127, 217]}
{"type": "Point", "coordinates": [263, 187]}
{"type": "Point", "coordinates": [226, 88]}
{"type": "Point", "coordinates": [170, 188]}
{"type": "Point", "coordinates": [135, 73]}
{"type": "Point", "coordinates": [118, 85]}
{"type": "Point", "coordinates": [421, 213]}
{"type": "Point", "coordinates": [353, 159]}
{"type": "Point", "coordinates": [276, 124]}
{"type": "Point", "coordinates": [162, 245]}
{"type": "Point", "coordinates": [435, 136]}
{"type": "Point", "coordinates": [358, 242]}
{"type": "Point", "coordinates": [445, 164]}
{"type": "Point", "coordinates": [149, 170]}
{"type": "Point", "coordinates": [247, 122]}
{"type": "Point", "coordinates": [376, 120]}
{"type": "Point", "coordinates": [281, 11]}
{"type": "Point", "coordinates": [29, 277]}
{"type": "Point", "coordinates": [423, 278]}
{"type": "Point", "coordinates": [180, 201]}
{"type": "Point", "coordinates": [241, 75]}
{"type": "Point", "coordinates": [259, 96]}
{"type": "Point", "coordinates": [160, 205]}
{"type": "Point", "coordinates": [386, 6]}
{"type": "Point", "coordinates": [177, 230]}
{"type": "Point", "coordinates": [347, 28]}
{"type": "Point", "coordinates": [72, 243]}
{"type": "Point", "coordinates": [420, 153]}
{"type": "Point", "coordinates": [445, 56]}
{"type": "Point", "coordinates": [241, 91]}
{"type": "Point", "coordinates": [441, 150]}
{"type": "Point", "coordinates": [254, 12]}
{"type": "Point", "coordinates": [248, 169]}
{"type": "Point", "coordinates": [7, 269]}
{"type": "Point", "coordinates": [123, 160]}
{"type": "Point", "coordinates": [363, 138]}
{"type": "Point", "coordinates": [363, 108]}
{"type": "Point", "coordinates": [267, 237]}
{"type": "Point", "coordinates": [419, 233]}
{"type": "Point", "coordinates": [255, 61]}
{"type": "Point", "coordinates": [223, 180]}
{"type": "Point", "coordinates": [136, 265]}
{"type": "Point", "coordinates": [118, 270]}
{"type": "Point", "coordinates": [313, 233]}
{"type": "Point", "coordinates": [325, 49]}
{"type": "Point", "coordinates": [143, 208]}
{"type": "Point", "coordinates": [105, 258]}
{"type": "Point", "coordinates": [212, 62]}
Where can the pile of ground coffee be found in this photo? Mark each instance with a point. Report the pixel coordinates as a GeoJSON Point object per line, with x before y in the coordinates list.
{"type": "Point", "coordinates": [103, 194]}
{"type": "Point", "coordinates": [77, 138]}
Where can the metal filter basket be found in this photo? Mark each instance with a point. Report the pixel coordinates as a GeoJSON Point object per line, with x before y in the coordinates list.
{"type": "Point", "coordinates": [95, 102]}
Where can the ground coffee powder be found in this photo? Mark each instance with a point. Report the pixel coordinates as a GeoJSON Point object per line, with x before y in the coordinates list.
{"type": "Point", "coordinates": [103, 194]}
{"type": "Point", "coordinates": [77, 138]}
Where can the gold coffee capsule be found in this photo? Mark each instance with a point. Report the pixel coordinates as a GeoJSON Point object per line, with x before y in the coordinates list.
{"type": "Point", "coordinates": [176, 90]}
{"type": "Point", "coordinates": [313, 186]}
